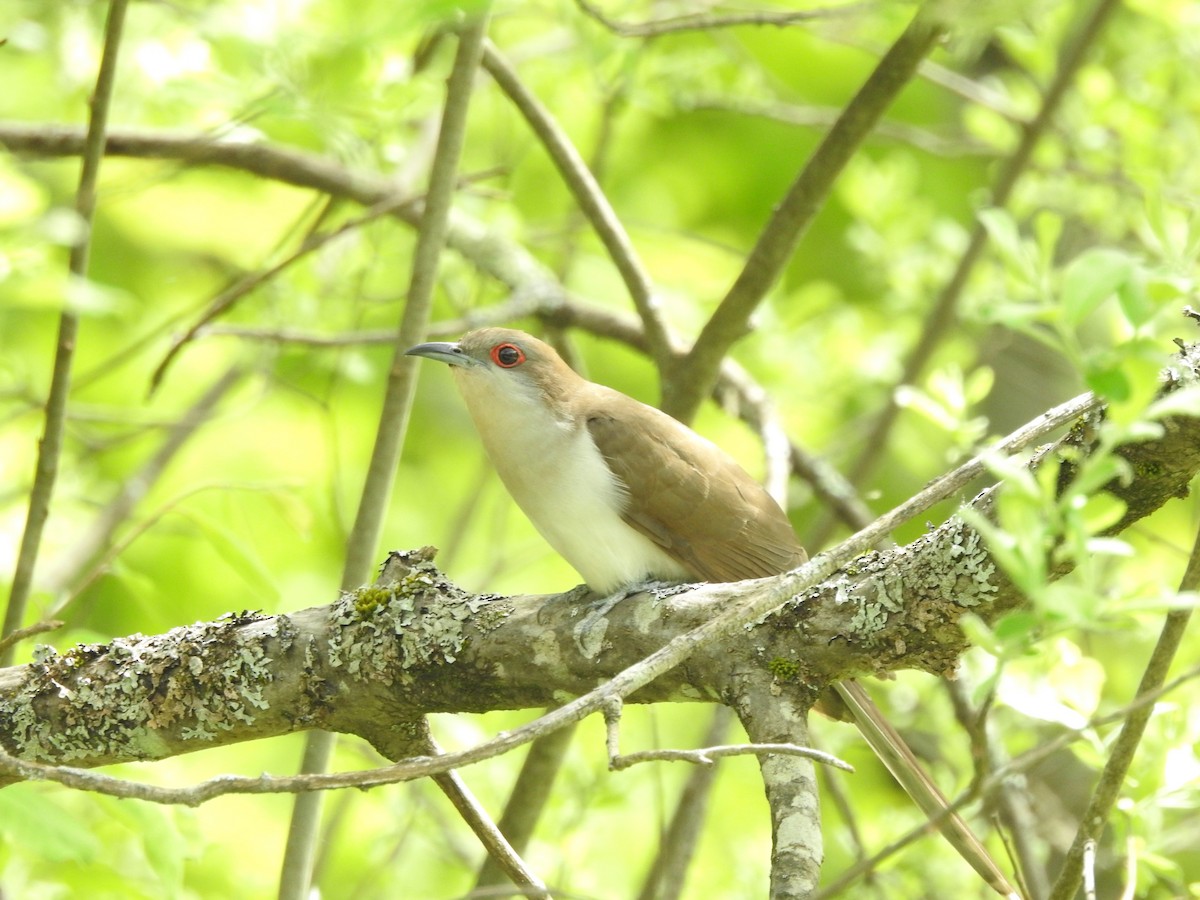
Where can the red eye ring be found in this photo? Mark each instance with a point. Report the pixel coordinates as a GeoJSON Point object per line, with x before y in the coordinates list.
{"type": "Point", "coordinates": [507, 356]}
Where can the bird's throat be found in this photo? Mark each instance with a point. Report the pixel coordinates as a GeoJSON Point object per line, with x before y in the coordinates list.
{"type": "Point", "coordinates": [551, 467]}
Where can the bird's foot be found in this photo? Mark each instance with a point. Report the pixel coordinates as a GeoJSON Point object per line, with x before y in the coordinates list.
{"type": "Point", "coordinates": [578, 594]}
{"type": "Point", "coordinates": [589, 633]}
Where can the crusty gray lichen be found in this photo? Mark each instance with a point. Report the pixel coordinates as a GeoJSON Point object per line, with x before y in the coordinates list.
{"type": "Point", "coordinates": [946, 569]}
{"type": "Point", "coordinates": [874, 585]}
{"type": "Point", "coordinates": [963, 570]}
{"type": "Point", "coordinates": [383, 631]}
{"type": "Point", "coordinates": [205, 677]}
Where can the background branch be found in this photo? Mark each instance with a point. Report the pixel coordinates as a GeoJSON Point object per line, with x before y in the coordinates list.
{"type": "Point", "coordinates": [1116, 769]}
{"type": "Point", "coordinates": [385, 456]}
{"type": "Point", "coordinates": [51, 443]}
{"type": "Point", "coordinates": [942, 317]}
{"type": "Point", "coordinates": [691, 379]}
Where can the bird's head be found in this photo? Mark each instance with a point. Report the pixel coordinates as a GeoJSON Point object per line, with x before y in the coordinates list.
{"type": "Point", "coordinates": [502, 362]}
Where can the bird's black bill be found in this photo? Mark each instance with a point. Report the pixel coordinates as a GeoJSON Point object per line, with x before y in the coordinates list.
{"type": "Point", "coordinates": [442, 351]}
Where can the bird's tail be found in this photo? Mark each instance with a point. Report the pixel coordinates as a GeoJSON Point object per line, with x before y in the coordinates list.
{"type": "Point", "coordinates": [907, 769]}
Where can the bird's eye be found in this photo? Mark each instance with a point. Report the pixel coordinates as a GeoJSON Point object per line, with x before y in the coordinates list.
{"type": "Point", "coordinates": [507, 356]}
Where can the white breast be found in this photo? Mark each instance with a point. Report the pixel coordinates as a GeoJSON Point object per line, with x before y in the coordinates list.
{"type": "Point", "coordinates": [559, 479]}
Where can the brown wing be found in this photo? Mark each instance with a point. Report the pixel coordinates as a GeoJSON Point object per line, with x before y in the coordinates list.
{"type": "Point", "coordinates": [689, 496]}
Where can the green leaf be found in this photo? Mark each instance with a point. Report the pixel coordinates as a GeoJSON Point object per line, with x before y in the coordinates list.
{"type": "Point", "coordinates": [1183, 402]}
{"type": "Point", "coordinates": [1017, 627]}
{"type": "Point", "coordinates": [1109, 383]}
{"type": "Point", "coordinates": [979, 634]}
{"type": "Point", "coordinates": [1090, 279]}
{"type": "Point", "coordinates": [1006, 238]}
{"type": "Point", "coordinates": [36, 824]}
{"type": "Point", "coordinates": [1101, 511]}
{"type": "Point", "coordinates": [232, 551]}
{"type": "Point", "coordinates": [1136, 305]}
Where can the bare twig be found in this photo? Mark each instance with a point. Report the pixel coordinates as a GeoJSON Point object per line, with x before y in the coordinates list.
{"type": "Point", "coordinates": [824, 117]}
{"type": "Point", "coordinates": [708, 22]}
{"type": "Point", "coordinates": [528, 798]}
{"type": "Point", "coordinates": [21, 634]}
{"type": "Point", "coordinates": [50, 446]}
{"type": "Point", "coordinates": [591, 199]}
{"type": "Point", "coordinates": [493, 839]}
{"type": "Point", "coordinates": [1100, 807]}
{"type": "Point", "coordinates": [226, 299]}
{"type": "Point", "coordinates": [692, 378]}
{"type": "Point", "coordinates": [708, 756]}
{"type": "Point", "coordinates": [393, 419]}
{"type": "Point", "coordinates": [943, 315]}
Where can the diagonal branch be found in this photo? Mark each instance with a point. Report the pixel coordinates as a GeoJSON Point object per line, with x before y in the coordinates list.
{"type": "Point", "coordinates": [693, 376]}
{"type": "Point", "coordinates": [591, 199]}
{"type": "Point", "coordinates": [943, 315]}
{"type": "Point", "coordinates": [708, 22]}
{"type": "Point", "coordinates": [1100, 807]}
{"type": "Point", "coordinates": [50, 446]}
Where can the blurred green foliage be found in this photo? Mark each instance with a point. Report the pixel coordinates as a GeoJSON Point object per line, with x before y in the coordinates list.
{"type": "Point", "coordinates": [695, 140]}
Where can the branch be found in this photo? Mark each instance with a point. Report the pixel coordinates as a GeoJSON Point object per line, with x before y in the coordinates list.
{"type": "Point", "coordinates": [943, 314]}
{"type": "Point", "coordinates": [797, 848]}
{"type": "Point", "coordinates": [415, 644]}
{"type": "Point", "coordinates": [50, 446]}
{"type": "Point", "coordinates": [1116, 768]}
{"type": "Point", "coordinates": [704, 22]}
{"type": "Point", "coordinates": [506, 261]}
{"type": "Point", "coordinates": [694, 376]}
{"type": "Point", "coordinates": [591, 199]}
{"type": "Point", "coordinates": [708, 756]}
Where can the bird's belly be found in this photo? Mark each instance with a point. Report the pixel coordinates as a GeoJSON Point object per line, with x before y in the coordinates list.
{"type": "Point", "coordinates": [575, 503]}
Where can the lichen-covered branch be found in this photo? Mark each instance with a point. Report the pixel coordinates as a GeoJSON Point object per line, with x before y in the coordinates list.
{"type": "Point", "coordinates": [797, 848]}
{"type": "Point", "coordinates": [384, 655]}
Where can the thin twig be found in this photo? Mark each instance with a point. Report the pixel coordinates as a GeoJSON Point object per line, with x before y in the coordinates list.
{"type": "Point", "coordinates": [50, 446]}
{"type": "Point", "coordinates": [226, 299]}
{"type": "Point", "coordinates": [708, 756]}
{"type": "Point", "coordinates": [591, 199]}
{"type": "Point", "coordinates": [393, 420]}
{"type": "Point", "coordinates": [1120, 758]}
{"type": "Point", "coordinates": [943, 314]}
{"type": "Point", "coordinates": [825, 116]}
{"type": "Point", "coordinates": [27, 632]}
{"type": "Point", "coordinates": [528, 798]}
{"type": "Point", "coordinates": [489, 834]}
{"type": "Point", "coordinates": [693, 377]}
{"type": "Point", "coordinates": [708, 22]}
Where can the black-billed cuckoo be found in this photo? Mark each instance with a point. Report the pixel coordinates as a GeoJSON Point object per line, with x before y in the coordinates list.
{"type": "Point", "coordinates": [627, 494]}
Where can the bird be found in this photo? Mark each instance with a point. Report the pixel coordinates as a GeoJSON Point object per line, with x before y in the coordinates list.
{"type": "Point", "coordinates": [628, 495]}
